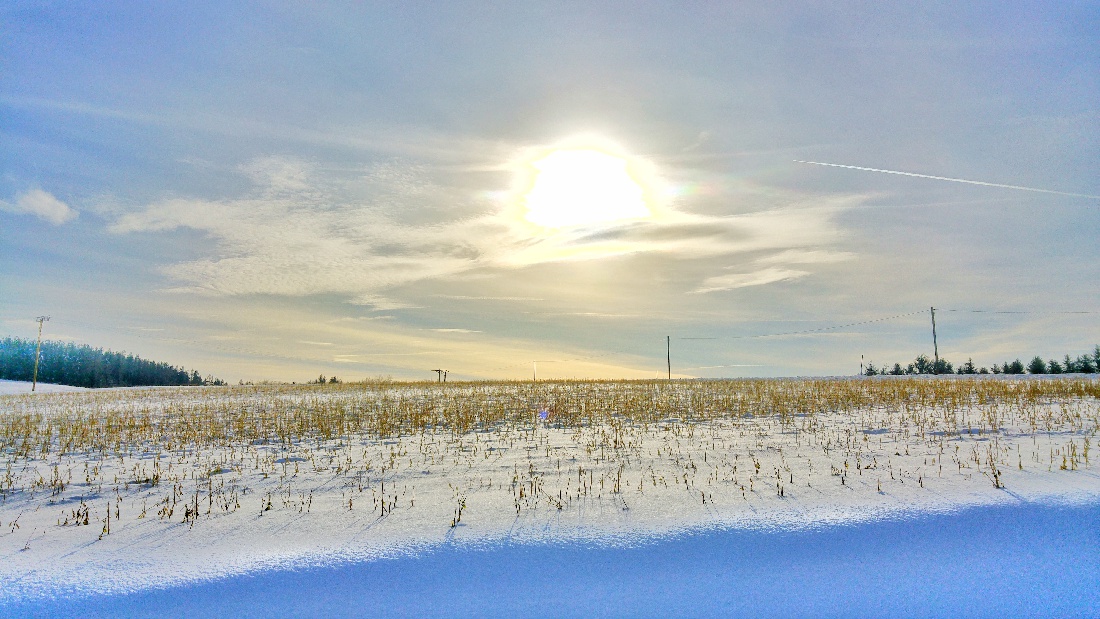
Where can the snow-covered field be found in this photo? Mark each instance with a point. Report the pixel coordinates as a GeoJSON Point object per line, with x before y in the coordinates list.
{"type": "Point", "coordinates": [122, 497]}
{"type": "Point", "coordinates": [1020, 560]}
{"type": "Point", "coordinates": [8, 387]}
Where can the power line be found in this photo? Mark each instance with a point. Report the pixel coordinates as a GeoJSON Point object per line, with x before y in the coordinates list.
{"type": "Point", "coordinates": [246, 351]}
{"type": "Point", "coordinates": [725, 365]}
{"type": "Point", "coordinates": [735, 337]}
{"type": "Point", "coordinates": [805, 331]}
{"type": "Point", "coordinates": [935, 344]}
{"type": "Point", "coordinates": [38, 350]}
{"type": "Point", "coordinates": [974, 311]}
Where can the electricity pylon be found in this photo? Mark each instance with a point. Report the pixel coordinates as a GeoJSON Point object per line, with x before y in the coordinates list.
{"type": "Point", "coordinates": [38, 350]}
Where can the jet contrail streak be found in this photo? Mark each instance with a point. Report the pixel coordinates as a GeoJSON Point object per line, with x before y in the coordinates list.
{"type": "Point", "coordinates": [953, 180]}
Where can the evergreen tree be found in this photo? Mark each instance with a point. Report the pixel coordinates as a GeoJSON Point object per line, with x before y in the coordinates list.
{"type": "Point", "coordinates": [922, 365]}
{"type": "Point", "coordinates": [1037, 366]}
{"type": "Point", "coordinates": [83, 366]}
{"type": "Point", "coordinates": [1084, 364]}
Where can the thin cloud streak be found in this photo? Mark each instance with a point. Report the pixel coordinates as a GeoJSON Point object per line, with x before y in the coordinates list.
{"type": "Point", "coordinates": [744, 280]}
{"type": "Point", "coordinates": [953, 180]}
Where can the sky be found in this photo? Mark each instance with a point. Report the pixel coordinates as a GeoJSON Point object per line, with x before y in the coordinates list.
{"type": "Point", "coordinates": [272, 191]}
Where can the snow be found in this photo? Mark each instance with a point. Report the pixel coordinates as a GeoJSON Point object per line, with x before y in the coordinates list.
{"type": "Point", "coordinates": [750, 514]}
{"type": "Point", "coordinates": [8, 387]}
{"type": "Point", "coordinates": [1015, 560]}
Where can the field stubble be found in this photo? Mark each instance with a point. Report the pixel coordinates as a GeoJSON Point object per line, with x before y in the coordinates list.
{"type": "Point", "coordinates": [429, 461]}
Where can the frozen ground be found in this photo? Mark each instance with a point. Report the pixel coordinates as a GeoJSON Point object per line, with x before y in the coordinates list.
{"type": "Point", "coordinates": [802, 511]}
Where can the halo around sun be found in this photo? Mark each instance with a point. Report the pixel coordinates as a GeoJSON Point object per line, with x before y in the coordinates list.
{"type": "Point", "coordinates": [581, 187]}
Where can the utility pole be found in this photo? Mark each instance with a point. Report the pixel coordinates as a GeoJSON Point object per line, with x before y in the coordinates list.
{"type": "Point", "coordinates": [38, 350]}
{"type": "Point", "coordinates": [935, 345]}
{"type": "Point", "coordinates": [534, 371]}
{"type": "Point", "coordinates": [861, 365]}
{"type": "Point", "coordinates": [668, 354]}
{"type": "Point", "coordinates": [441, 376]}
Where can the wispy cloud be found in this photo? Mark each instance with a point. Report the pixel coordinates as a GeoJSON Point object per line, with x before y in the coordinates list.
{"type": "Point", "coordinates": [363, 318]}
{"type": "Point", "coordinates": [304, 231]}
{"type": "Point", "coordinates": [732, 281]}
{"type": "Point", "coordinates": [800, 256]}
{"type": "Point", "coordinates": [452, 330]}
{"type": "Point", "coordinates": [41, 204]}
{"type": "Point", "coordinates": [771, 268]}
{"type": "Point", "coordinates": [379, 303]}
{"type": "Point", "coordinates": [463, 297]}
{"type": "Point", "coordinates": [590, 314]}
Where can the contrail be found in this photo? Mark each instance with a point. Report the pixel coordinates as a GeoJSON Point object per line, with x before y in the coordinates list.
{"type": "Point", "coordinates": [953, 180]}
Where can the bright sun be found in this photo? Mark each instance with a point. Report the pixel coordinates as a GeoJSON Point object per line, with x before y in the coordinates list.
{"type": "Point", "coordinates": [577, 187]}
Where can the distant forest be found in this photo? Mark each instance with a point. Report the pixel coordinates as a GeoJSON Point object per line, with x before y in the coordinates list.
{"type": "Point", "coordinates": [81, 365]}
{"type": "Point", "coordinates": [1082, 364]}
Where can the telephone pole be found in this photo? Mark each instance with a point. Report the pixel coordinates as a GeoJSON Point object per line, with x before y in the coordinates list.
{"type": "Point", "coordinates": [668, 354]}
{"type": "Point", "coordinates": [935, 345]}
{"type": "Point", "coordinates": [38, 351]}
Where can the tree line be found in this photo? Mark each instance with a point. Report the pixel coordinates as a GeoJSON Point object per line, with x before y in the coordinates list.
{"type": "Point", "coordinates": [1088, 363]}
{"type": "Point", "coordinates": [80, 365]}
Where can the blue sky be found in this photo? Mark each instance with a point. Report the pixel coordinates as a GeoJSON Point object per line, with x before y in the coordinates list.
{"type": "Point", "coordinates": [273, 191]}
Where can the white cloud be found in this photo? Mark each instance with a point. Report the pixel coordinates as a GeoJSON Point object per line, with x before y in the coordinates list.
{"type": "Point", "coordinates": [380, 304]}
{"type": "Point", "coordinates": [41, 204]}
{"type": "Point", "coordinates": [799, 256]}
{"type": "Point", "coordinates": [462, 297]}
{"type": "Point", "coordinates": [354, 319]}
{"type": "Point", "coordinates": [304, 231]}
{"type": "Point", "coordinates": [775, 269]}
{"type": "Point", "coordinates": [743, 280]}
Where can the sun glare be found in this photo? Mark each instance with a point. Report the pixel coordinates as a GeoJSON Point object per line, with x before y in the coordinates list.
{"type": "Point", "coordinates": [577, 187]}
